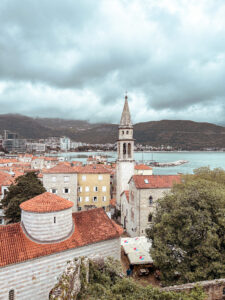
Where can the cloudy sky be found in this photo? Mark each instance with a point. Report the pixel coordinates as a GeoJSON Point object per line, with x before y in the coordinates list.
{"type": "Point", "coordinates": [75, 59]}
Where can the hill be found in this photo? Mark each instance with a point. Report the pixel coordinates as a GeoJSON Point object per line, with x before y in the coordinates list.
{"type": "Point", "coordinates": [177, 133]}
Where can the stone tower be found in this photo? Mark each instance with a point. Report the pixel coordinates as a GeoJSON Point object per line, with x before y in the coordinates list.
{"type": "Point", "coordinates": [125, 153]}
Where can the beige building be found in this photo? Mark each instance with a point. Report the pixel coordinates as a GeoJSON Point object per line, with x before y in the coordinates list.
{"type": "Point", "coordinates": [93, 187]}
{"type": "Point", "coordinates": [142, 169]}
{"type": "Point", "coordinates": [139, 202]}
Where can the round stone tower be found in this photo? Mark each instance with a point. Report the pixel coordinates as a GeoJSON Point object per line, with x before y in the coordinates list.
{"type": "Point", "coordinates": [47, 218]}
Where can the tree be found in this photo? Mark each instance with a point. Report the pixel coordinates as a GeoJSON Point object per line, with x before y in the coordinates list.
{"type": "Point", "coordinates": [26, 187]}
{"type": "Point", "coordinates": [188, 232]}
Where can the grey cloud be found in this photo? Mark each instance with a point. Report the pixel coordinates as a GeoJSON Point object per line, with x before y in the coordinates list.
{"type": "Point", "coordinates": [98, 49]}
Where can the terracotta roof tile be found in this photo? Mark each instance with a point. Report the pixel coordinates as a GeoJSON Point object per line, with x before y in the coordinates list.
{"type": "Point", "coordinates": [93, 169]}
{"type": "Point", "coordinates": [46, 202]}
{"type": "Point", "coordinates": [6, 179]}
{"type": "Point", "coordinates": [142, 167]}
{"type": "Point", "coordinates": [155, 181]}
{"type": "Point", "coordinates": [63, 168]}
{"type": "Point", "coordinates": [90, 227]}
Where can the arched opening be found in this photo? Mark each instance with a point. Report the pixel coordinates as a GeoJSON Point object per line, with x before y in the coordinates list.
{"type": "Point", "coordinates": [127, 132]}
{"type": "Point", "coordinates": [118, 149]}
{"type": "Point", "coordinates": [129, 150]}
{"type": "Point", "coordinates": [124, 150]}
{"type": "Point", "coordinates": [150, 200]}
{"type": "Point", "coordinates": [11, 295]}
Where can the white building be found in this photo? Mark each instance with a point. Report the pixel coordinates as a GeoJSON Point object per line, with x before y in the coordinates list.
{"type": "Point", "coordinates": [34, 252]}
{"type": "Point", "coordinates": [65, 143]}
{"type": "Point", "coordinates": [125, 151]}
{"type": "Point", "coordinates": [62, 181]}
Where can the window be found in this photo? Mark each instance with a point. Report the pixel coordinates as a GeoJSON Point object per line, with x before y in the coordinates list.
{"type": "Point", "coordinates": [103, 207]}
{"type": "Point", "coordinates": [66, 179]}
{"type": "Point", "coordinates": [104, 198]}
{"type": "Point", "coordinates": [54, 220]}
{"type": "Point", "coordinates": [100, 177]}
{"type": "Point", "coordinates": [86, 199]}
{"type": "Point", "coordinates": [129, 150]}
{"type": "Point", "coordinates": [1, 221]}
{"type": "Point", "coordinates": [150, 200]}
{"type": "Point", "coordinates": [66, 191]}
{"type": "Point", "coordinates": [79, 208]}
{"type": "Point", "coordinates": [122, 132]}
{"type": "Point", "coordinates": [150, 218]}
{"type": "Point", "coordinates": [104, 188]}
{"type": "Point", "coordinates": [84, 177]}
{"type": "Point", "coordinates": [54, 179]}
{"type": "Point", "coordinates": [86, 188]}
{"type": "Point", "coordinates": [53, 191]}
{"type": "Point", "coordinates": [124, 149]}
{"type": "Point", "coordinates": [79, 199]}
{"type": "Point", "coordinates": [95, 198]}
{"type": "Point", "coordinates": [127, 132]}
{"type": "Point", "coordinates": [11, 295]}
{"type": "Point", "coordinates": [79, 188]}
{"type": "Point", "coordinates": [95, 188]}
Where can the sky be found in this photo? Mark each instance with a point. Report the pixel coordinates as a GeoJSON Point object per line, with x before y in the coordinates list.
{"type": "Point", "coordinates": [75, 59]}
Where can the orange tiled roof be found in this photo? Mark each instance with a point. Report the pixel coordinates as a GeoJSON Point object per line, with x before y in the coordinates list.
{"type": "Point", "coordinates": [91, 226]}
{"type": "Point", "coordinates": [93, 169]}
{"type": "Point", "coordinates": [63, 168]}
{"type": "Point", "coordinates": [46, 202]}
{"type": "Point", "coordinates": [5, 179]}
{"type": "Point", "coordinates": [155, 181]}
{"type": "Point", "coordinates": [142, 167]}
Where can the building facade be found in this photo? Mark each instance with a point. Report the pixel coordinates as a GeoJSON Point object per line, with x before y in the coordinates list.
{"type": "Point", "coordinates": [93, 187]}
{"type": "Point", "coordinates": [62, 181]}
{"type": "Point", "coordinates": [138, 207]}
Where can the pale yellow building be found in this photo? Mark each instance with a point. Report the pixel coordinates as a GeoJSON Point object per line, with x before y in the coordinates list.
{"type": "Point", "coordinates": [93, 187]}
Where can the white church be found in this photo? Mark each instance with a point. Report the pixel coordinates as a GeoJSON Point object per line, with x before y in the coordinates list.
{"type": "Point", "coordinates": [34, 252]}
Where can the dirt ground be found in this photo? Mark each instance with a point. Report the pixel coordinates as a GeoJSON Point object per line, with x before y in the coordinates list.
{"type": "Point", "coordinates": [144, 279]}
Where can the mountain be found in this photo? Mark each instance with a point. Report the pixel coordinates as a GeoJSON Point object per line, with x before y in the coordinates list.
{"type": "Point", "coordinates": [177, 133]}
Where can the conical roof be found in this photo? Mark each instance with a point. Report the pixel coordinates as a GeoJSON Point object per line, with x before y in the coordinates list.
{"type": "Point", "coordinates": [46, 202]}
{"type": "Point", "coordinates": [126, 118]}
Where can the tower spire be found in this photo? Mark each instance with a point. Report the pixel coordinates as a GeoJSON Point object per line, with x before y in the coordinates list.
{"type": "Point", "coordinates": [126, 118]}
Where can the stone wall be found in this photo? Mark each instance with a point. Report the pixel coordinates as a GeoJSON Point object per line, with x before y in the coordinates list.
{"type": "Point", "coordinates": [48, 227]}
{"type": "Point", "coordinates": [35, 278]}
{"type": "Point", "coordinates": [215, 289]}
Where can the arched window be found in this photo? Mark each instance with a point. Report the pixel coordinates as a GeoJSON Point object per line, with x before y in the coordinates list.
{"type": "Point", "coordinates": [124, 149]}
{"type": "Point", "coordinates": [150, 218]}
{"type": "Point", "coordinates": [127, 132]}
{"type": "Point", "coordinates": [118, 148]}
{"type": "Point", "coordinates": [150, 200]}
{"type": "Point", "coordinates": [129, 149]}
{"type": "Point", "coordinates": [122, 132]}
{"type": "Point", "coordinates": [11, 295]}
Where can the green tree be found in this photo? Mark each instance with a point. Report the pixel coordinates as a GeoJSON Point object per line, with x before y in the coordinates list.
{"type": "Point", "coordinates": [188, 231]}
{"type": "Point", "coordinates": [26, 187]}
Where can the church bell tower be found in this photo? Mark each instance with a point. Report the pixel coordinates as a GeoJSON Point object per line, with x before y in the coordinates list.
{"type": "Point", "coordinates": [125, 153]}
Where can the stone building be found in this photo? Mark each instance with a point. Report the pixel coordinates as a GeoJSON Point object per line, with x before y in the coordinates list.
{"type": "Point", "coordinates": [139, 202]}
{"type": "Point", "coordinates": [125, 151]}
{"type": "Point", "coordinates": [34, 252]}
{"type": "Point", "coordinates": [62, 180]}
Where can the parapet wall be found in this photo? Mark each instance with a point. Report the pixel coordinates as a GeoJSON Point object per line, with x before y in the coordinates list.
{"type": "Point", "coordinates": [215, 289]}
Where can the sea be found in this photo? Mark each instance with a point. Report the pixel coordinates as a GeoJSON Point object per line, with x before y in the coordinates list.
{"type": "Point", "coordinates": [195, 159]}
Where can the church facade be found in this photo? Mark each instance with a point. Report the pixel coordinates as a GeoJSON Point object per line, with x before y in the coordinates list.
{"type": "Point", "coordinates": [34, 252]}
